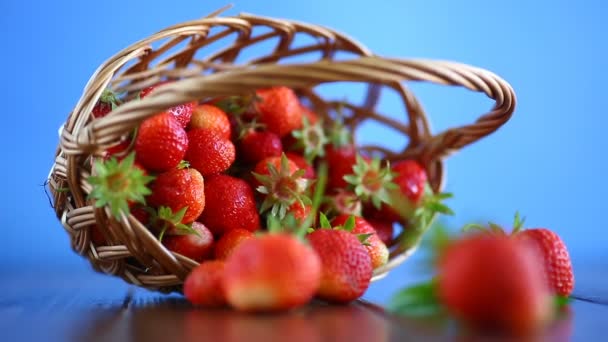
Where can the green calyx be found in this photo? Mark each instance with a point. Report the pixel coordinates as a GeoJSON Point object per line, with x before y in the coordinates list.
{"type": "Point", "coordinates": [371, 181]}
{"type": "Point", "coordinates": [116, 183]}
{"type": "Point", "coordinates": [338, 134]}
{"type": "Point", "coordinates": [311, 138]}
{"type": "Point", "coordinates": [166, 219]}
{"type": "Point", "coordinates": [109, 97]}
{"type": "Point", "coordinates": [349, 226]}
{"type": "Point", "coordinates": [282, 188]}
{"type": "Point", "coordinates": [418, 301]}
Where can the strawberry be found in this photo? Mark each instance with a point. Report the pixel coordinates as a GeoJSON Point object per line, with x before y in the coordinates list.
{"type": "Point", "coordinates": [384, 230]}
{"type": "Point", "coordinates": [309, 114]}
{"type": "Point", "coordinates": [346, 265]}
{"type": "Point", "coordinates": [211, 118]}
{"type": "Point", "coordinates": [209, 152]}
{"type": "Point", "coordinates": [489, 281]}
{"type": "Point", "coordinates": [370, 181]}
{"type": "Point", "coordinates": [299, 211]}
{"type": "Point", "coordinates": [303, 164]}
{"type": "Point", "coordinates": [341, 201]}
{"type": "Point", "coordinates": [196, 245]}
{"type": "Point", "coordinates": [340, 161]}
{"type": "Point", "coordinates": [226, 245]}
{"type": "Point", "coordinates": [377, 250]}
{"type": "Point", "coordinates": [258, 145]}
{"type": "Point", "coordinates": [178, 189]}
{"type": "Point", "coordinates": [230, 204]}
{"type": "Point", "coordinates": [310, 140]}
{"type": "Point", "coordinates": [270, 273]}
{"type": "Point", "coordinates": [556, 259]}
{"type": "Point", "coordinates": [282, 183]}
{"type": "Point", "coordinates": [161, 143]}
{"type": "Point", "coordinates": [105, 104]}
{"type": "Point", "coordinates": [203, 286]}
{"type": "Point", "coordinates": [181, 112]}
{"type": "Point", "coordinates": [279, 109]}
{"type": "Point", "coordinates": [118, 184]}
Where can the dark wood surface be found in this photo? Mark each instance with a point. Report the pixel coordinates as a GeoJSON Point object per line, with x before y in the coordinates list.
{"type": "Point", "coordinates": [84, 306]}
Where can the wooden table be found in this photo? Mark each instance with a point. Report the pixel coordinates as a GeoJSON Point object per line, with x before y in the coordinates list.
{"type": "Point", "coordinates": [39, 305]}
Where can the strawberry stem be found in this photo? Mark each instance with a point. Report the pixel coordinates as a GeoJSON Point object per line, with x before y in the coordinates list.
{"type": "Point", "coordinates": [316, 200]}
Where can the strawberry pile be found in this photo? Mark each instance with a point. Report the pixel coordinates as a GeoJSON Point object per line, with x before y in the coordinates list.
{"type": "Point", "coordinates": [276, 204]}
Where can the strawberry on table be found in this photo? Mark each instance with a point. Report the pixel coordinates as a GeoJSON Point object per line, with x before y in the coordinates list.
{"type": "Point", "coordinates": [346, 267]}
{"type": "Point", "coordinates": [229, 204]}
{"type": "Point", "coordinates": [279, 109]}
{"type": "Point", "coordinates": [270, 273]}
{"type": "Point", "coordinates": [196, 244]}
{"type": "Point", "coordinates": [212, 118]}
{"type": "Point", "coordinates": [556, 259]}
{"type": "Point", "coordinates": [209, 152]}
{"type": "Point", "coordinates": [203, 286]}
{"type": "Point", "coordinates": [178, 189]}
{"type": "Point", "coordinates": [161, 143]}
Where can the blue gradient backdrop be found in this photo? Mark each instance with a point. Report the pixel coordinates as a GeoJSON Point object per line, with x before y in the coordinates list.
{"type": "Point", "coordinates": [548, 161]}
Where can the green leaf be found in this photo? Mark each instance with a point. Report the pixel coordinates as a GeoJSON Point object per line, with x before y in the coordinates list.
{"type": "Point", "coordinates": [518, 222]}
{"type": "Point", "coordinates": [183, 165]}
{"type": "Point", "coordinates": [417, 301]}
{"type": "Point", "coordinates": [324, 222]}
{"type": "Point", "coordinates": [363, 238]}
{"type": "Point", "coordinates": [186, 229]}
{"type": "Point", "coordinates": [349, 225]}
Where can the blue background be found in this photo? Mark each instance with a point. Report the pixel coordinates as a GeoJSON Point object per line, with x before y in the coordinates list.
{"type": "Point", "coordinates": [548, 161]}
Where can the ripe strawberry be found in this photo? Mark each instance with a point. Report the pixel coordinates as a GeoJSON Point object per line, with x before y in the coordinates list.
{"type": "Point", "coordinates": [181, 112]}
{"type": "Point", "coordinates": [340, 161]}
{"type": "Point", "coordinates": [556, 259]}
{"type": "Point", "coordinates": [196, 245]}
{"type": "Point", "coordinates": [211, 118]}
{"type": "Point", "coordinates": [491, 282]}
{"type": "Point", "coordinates": [310, 140]}
{"type": "Point", "coordinates": [303, 164]}
{"type": "Point", "coordinates": [161, 143]}
{"type": "Point", "coordinates": [230, 204]}
{"type": "Point", "coordinates": [299, 211]}
{"type": "Point", "coordinates": [411, 178]}
{"type": "Point", "coordinates": [342, 201]}
{"type": "Point", "coordinates": [178, 189]}
{"type": "Point", "coordinates": [377, 250]}
{"type": "Point", "coordinates": [105, 104]}
{"type": "Point", "coordinates": [271, 272]}
{"type": "Point", "coordinates": [203, 286]}
{"type": "Point", "coordinates": [346, 267]}
{"type": "Point", "coordinates": [208, 152]}
{"type": "Point", "coordinates": [226, 245]}
{"type": "Point", "coordinates": [384, 229]}
{"type": "Point", "coordinates": [282, 183]}
{"type": "Point", "coordinates": [255, 146]}
{"type": "Point", "coordinates": [309, 114]}
{"type": "Point", "coordinates": [370, 181]}
{"type": "Point", "coordinates": [279, 109]}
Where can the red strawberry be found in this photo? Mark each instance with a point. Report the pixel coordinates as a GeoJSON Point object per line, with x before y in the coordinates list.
{"type": "Point", "coordinates": [196, 245]}
{"type": "Point", "coordinates": [212, 118]}
{"type": "Point", "coordinates": [556, 259]}
{"type": "Point", "coordinates": [411, 178]}
{"type": "Point", "coordinates": [226, 245]}
{"type": "Point", "coordinates": [311, 116]}
{"type": "Point", "coordinates": [384, 230]}
{"type": "Point", "coordinates": [279, 109]}
{"type": "Point", "coordinates": [105, 104]}
{"type": "Point", "coordinates": [340, 161]}
{"type": "Point", "coordinates": [299, 211]}
{"type": "Point", "coordinates": [272, 272]}
{"type": "Point", "coordinates": [342, 202]}
{"type": "Point", "coordinates": [309, 141]}
{"type": "Point", "coordinates": [303, 164]}
{"type": "Point", "coordinates": [208, 152]}
{"type": "Point", "coordinates": [377, 250]}
{"type": "Point", "coordinates": [280, 180]}
{"type": "Point", "coordinates": [178, 189]}
{"type": "Point", "coordinates": [346, 265]}
{"type": "Point", "coordinates": [230, 204]}
{"type": "Point", "coordinates": [203, 286]}
{"type": "Point", "coordinates": [161, 143]}
{"type": "Point", "coordinates": [490, 282]}
{"type": "Point", "coordinates": [255, 146]}
{"type": "Point", "coordinates": [181, 112]}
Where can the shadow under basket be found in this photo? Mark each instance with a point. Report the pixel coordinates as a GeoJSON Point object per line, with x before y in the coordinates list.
{"type": "Point", "coordinates": [219, 56]}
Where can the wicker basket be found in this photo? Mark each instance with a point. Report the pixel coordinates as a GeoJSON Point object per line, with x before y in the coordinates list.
{"type": "Point", "coordinates": [185, 53]}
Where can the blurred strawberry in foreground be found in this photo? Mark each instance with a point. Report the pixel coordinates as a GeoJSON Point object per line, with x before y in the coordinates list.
{"type": "Point", "coordinates": [230, 241]}
{"type": "Point", "coordinates": [271, 272]}
{"type": "Point", "coordinates": [203, 286]}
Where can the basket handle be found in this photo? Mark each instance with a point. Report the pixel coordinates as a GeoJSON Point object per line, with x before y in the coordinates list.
{"type": "Point", "coordinates": [241, 80]}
